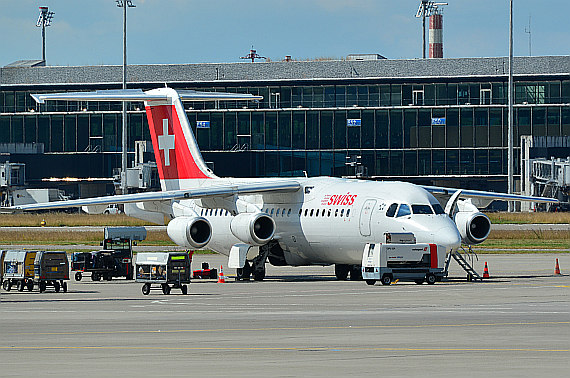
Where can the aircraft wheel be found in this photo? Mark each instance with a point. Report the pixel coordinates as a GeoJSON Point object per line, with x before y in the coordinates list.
{"type": "Point", "coordinates": [386, 279]}
{"type": "Point", "coordinates": [30, 285]}
{"type": "Point", "coordinates": [146, 288]}
{"type": "Point", "coordinates": [78, 276]}
{"type": "Point", "coordinates": [165, 289]}
{"type": "Point", "coordinates": [64, 286]}
{"type": "Point", "coordinates": [370, 282]}
{"type": "Point", "coordinates": [184, 289]}
{"type": "Point", "coordinates": [259, 275]}
{"type": "Point", "coordinates": [56, 286]}
{"type": "Point", "coordinates": [95, 276]}
{"type": "Point", "coordinates": [341, 271]}
{"type": "Point", "coordinates": [430, 278]}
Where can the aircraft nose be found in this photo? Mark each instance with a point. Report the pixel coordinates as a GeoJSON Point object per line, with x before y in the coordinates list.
{"type": "Point", "coordinates": [449, 237]}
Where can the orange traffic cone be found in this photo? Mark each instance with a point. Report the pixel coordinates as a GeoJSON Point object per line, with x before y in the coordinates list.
{"type": "Point", "coordinates": [221, 278]}
{"type": "Point", "coordinates": [557, 268]}
{"type": "Point", "coordinates": [486, 271]}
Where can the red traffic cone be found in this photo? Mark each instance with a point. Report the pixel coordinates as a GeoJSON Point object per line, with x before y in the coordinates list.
{"type": "Point", "coordinates": [486, 271]}
{"type": "Point", "coordinates": [221, 278]}
{"type": "Point", "coordinates": [557, 268]}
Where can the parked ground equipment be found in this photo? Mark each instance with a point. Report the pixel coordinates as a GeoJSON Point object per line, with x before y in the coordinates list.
{"type": "Point", "coordinates": [386, 262]}
{"type": "Point", "coordinates": [18, 269]}
{"type": "Point", "coordinates": [51, 268]}
{"type": "Point", "coordinates": [167, 269]}
{"type": "Point", "coordinates": [205, 272]}
{"type": "Point", "coordinates": [114, 260]}
{"type": "Point", "coordinates": [2, 254]}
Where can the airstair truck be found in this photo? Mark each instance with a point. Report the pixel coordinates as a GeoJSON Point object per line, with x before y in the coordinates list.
{"type": "Point", "coordinates": [386, 262]}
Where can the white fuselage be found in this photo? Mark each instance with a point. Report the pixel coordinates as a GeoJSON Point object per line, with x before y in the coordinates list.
{"type": "Point", "coordinates": [331, 219]}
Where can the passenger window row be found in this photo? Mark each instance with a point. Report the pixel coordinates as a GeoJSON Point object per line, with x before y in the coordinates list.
{"type": "Point", "coordinates": [324, 213]}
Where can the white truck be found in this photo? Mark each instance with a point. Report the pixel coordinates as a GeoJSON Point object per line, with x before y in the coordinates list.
{"type": "Point", "coordinates": [400, 258]}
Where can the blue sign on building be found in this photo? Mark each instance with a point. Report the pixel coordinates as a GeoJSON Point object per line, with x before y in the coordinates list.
{"type": "Point", "coordinates": [438, 121]}
{"type": "Point", "coordinates": [353, 122]}
{"type": "Point", "coordinates": [203, 124]}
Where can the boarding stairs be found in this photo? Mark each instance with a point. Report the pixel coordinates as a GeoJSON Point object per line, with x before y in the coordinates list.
{"type": "Point", "coordinates": [462, 260]}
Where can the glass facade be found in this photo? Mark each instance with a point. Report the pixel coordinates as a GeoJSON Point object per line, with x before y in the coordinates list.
{"type": "Point", "coordinates": [399, 129]}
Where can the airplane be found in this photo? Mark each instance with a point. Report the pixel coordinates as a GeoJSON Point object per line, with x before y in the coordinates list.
{"type": "Point", "coordinates": [284, 221]}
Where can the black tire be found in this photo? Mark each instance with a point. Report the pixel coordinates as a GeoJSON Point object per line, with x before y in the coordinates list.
{"type": "Point", "coordinates": [355, 273]}
{"type": "Point", "coordinates": [341, 271]}
{"type": "Point", "coordinates": [184, 289]}
{"type": "Point", "coordinates": [370, 282]}
{"type": "Point", "coordinates": [5, 285]}
{"type": "Point", "coordinates": [64, 286]}
{"type": "Point", "coordinates": [30, 285]}
{"type": "Point", "coordinates": [146, 289]}
{"type": "Point", "coordinates": [129, 276]}
{"type": "Point", "coordinates": [20, 285]}
{"type": "Point", "coordinates": [165, 289]}
{"type": "Point", "coordinates": [42, 286]}
{"type": "Point", "coordinates": [78, 276]}
{"type": "Point", "coordinates": [56, 286]}
{"type": "Point", "coordinates": [430, 278]}
{"type": "Point", "coordinates": [108, 277]}
{"type": "Point", "coordinates": [419, 282]}
{"type": "Point", "coordinates": [95, 276]}
{"type": "Point", "coordinates": [469, 277]}
{"type": "Point", "coordinates": [259, 275]}
{"type": "Point", "coordinates": [8, 285]}
{"type": "Point", "coordinates": [386, 279]}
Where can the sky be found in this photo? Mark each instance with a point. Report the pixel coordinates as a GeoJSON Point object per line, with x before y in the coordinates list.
{"type": "Point", "coordinates": [89, 32]}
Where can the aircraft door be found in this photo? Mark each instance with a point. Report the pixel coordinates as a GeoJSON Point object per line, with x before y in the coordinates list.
{"type": "Point", "coordinates": [366, 216]}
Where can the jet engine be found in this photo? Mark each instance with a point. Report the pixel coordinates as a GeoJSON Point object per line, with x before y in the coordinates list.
{"type": "Point", "coordinates": [474, 227]}
{"type": "Point", "coordinates": [191, 232]}
{"type": "Point", "coordinates": [253, 228]}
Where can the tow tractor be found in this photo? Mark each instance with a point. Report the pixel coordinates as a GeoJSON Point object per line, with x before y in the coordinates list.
{"type": "Point", "coordinates": [114, 260]}
{"type": "Point", "coordinates": [400, 258]}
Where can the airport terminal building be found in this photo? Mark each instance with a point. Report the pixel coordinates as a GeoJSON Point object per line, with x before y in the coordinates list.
{"type": "Point", "coordinates": [430, 121]}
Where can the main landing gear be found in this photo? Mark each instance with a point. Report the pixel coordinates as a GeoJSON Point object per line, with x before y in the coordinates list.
{"type": "Point", "coordinates": [256, 268]}
{"type": "Point", "coordinates": [341, 271]}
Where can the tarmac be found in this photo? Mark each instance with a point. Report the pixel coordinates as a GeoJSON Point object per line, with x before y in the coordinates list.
{"type": "Point", "coordinates": [298, 322]}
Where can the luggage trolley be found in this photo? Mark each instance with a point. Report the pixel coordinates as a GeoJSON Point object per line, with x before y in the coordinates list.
{"type": "Point", "coordinates": [164, 268]}
{"type": "Point", "coordinates": [51, 268]}
{"type": "Point", "coordinates": [18, 267]}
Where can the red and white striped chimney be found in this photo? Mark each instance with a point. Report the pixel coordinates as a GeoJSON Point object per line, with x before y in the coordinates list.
{"type": "Point", "coordinates": [436, 36]}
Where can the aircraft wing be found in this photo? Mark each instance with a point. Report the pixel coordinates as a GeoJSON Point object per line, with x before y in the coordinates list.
{"type": "Point", "coordinates": [487, 196]}
{"type": "Point", "coordinates": [210, 191]}
{"type": "Point", "coordinates": [140, 95]}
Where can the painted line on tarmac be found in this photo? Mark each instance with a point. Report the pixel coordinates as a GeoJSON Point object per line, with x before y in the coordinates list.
{"type": "Point", "coordinates": [298, 349]}
{"type": "Point", "coordinates": [288, 328]}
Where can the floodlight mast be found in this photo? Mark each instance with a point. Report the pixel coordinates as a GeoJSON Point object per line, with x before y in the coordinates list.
{"type": "Point", "coordinates": [124, 4]}
{"type": "Point", "coordinates": [426, 9]}
{"type": "Point", "coordinates": [44, 20]}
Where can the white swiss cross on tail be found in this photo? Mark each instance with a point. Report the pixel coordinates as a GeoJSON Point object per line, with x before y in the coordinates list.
{"type": "Point", "coordinates": [166, 142]}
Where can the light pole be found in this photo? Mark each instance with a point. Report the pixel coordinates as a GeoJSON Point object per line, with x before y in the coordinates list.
{"type": "Point", "coordinates": [510, 154]}
{"type": "Point", "coordinates": [44, 20]}
{"type": "Point", "coordinates": [124, 4]}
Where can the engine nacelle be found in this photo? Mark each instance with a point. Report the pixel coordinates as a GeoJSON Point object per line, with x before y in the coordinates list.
{"type": "Point", "coordinates": [474, 227]}
{"type": "Point", "coordinates": [253, 228]}
{"type": "Point", "coordinates": [190, 232]}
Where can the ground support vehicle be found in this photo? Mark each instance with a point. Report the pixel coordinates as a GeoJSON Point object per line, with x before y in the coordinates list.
{"type": "Point", "coordinates": [51, 268]}
{"type": "Point", "coordinates": [205, 272]}
{"type": "Point", "coordinates": [114, 260]}
{"type": "Point", "coordinates": [167, 269]}
{"type": "Point", "coordinates": [406, 262]}
{"type": "Point", "coordinates": [18, 267]}
{"type": "Point", "coordinates": [2, 254]}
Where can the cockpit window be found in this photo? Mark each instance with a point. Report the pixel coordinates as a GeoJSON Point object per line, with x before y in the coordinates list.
{"type": "Point", "coordinates": [437, 208]}
{"type": "Point", "coordinates": [403, 210]}
{"type": "Point", "coordinates": [391, 210]}
{"type": "Point", "coordinates": [422, 209]}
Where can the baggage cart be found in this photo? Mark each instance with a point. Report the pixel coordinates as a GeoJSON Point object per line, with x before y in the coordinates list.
{"type": "Point", "coordinates": [18, 267]}
{"type": "Point", "coordinates": [167, 269]}
{"type": "Point", "coordinates": [51, 268]}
